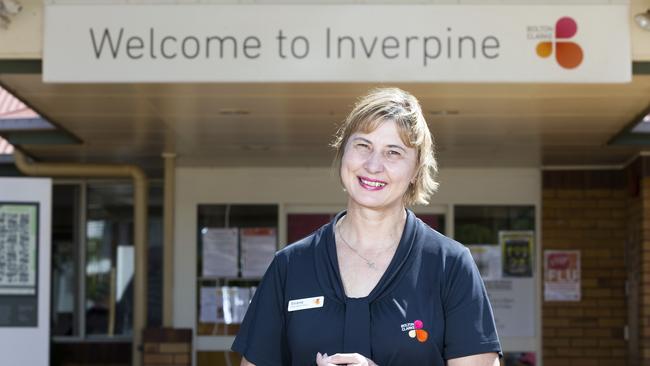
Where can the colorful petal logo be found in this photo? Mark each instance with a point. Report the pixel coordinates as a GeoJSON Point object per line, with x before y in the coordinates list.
{"type": "Point", "coordinates": [415, 330]}
{"type": "Point", "coordinates": [568, 54]}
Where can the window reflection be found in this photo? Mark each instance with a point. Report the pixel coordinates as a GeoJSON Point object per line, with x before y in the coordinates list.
{"type": "Point", "coordinates": [109, 260]}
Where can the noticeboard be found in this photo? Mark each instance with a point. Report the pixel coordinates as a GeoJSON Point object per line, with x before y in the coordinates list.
{"type": "Point", "coordinates": [19, 264]}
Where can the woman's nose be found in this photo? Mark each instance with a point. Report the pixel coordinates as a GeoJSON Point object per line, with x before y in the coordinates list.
{"type": "Point", "coordinates": [374, 163]}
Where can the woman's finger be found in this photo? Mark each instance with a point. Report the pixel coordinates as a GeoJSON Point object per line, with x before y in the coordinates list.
{"type": "Point", "coordinates": [321, 360]}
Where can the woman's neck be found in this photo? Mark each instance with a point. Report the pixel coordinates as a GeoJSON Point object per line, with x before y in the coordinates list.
{"type": "Point", "coordinates": [372, 230]}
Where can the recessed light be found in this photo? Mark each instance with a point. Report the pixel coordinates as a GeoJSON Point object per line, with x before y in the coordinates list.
{"type": "Point", "coordinates": [646, 119]}
{"type": "Point", "coordinates": [233, 111]}
{"type": "Point", "coordinates": [256, 147]}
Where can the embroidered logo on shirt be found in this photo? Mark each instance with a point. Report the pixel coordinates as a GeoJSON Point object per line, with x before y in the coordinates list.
{"type": "Point", "coordinates": [415, 330]}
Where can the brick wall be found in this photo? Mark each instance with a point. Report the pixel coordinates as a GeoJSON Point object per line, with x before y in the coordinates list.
{"type": "Point", "coordinates": [635, 209]}
{"type": "Point", "coordinates": [587, 211]}
{"type": "Point", "coordinates": [167, 346]}
{"type": "Point", "coordinates": [638, 261]}
{"type": "Point", "coordinates": [642, 277]}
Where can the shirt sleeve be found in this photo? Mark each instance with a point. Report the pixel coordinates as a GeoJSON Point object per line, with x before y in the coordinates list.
{"type": "Point", "coordinates": [469, 322]}
{"type": "Point", "coordinates": [262, 336]}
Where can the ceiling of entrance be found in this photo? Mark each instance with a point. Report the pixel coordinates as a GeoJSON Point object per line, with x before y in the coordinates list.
{"type": "Point", "coordinates": [495, 125]}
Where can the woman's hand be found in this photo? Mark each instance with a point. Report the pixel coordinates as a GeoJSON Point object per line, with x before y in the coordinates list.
{"type": "Point", "coordinates": [350, 359]}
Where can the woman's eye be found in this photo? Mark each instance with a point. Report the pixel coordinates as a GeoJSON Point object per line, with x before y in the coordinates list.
{"type": "Point", "coordinates": [363, 146]}
{"type": "Point", "coordinates": [394, 153]}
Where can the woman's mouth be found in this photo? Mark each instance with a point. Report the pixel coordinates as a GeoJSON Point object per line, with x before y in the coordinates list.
{"type": "Point", "coordinates": [371, 184]}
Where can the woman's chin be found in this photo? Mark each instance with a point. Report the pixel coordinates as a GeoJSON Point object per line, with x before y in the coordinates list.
{"type": "Point", "coordinates": [370, 203]}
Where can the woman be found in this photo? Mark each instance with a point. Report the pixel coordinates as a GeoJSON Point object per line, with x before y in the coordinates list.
{"type": "Point", "coordinates": [376, 285]}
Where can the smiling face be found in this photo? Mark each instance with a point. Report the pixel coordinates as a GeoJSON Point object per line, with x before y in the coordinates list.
{"type": "Point", "coordinates": [377, 167]}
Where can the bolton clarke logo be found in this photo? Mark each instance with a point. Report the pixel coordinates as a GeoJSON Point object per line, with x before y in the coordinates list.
{"type": "Point", "coordinates": [557, 40]}
{"type": "Point", "coordinates": [415, 330]}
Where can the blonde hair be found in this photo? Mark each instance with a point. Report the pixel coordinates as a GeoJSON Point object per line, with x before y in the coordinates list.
{"type": "Point", "coordinates": [393, 104]}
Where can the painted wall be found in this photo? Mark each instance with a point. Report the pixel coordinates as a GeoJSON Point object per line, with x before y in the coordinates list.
{"type": "Point", "coordinates": [24, 37]}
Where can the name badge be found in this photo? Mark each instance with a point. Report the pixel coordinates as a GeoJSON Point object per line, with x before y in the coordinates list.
{"type": "Point", "coordinates": [307, 303]}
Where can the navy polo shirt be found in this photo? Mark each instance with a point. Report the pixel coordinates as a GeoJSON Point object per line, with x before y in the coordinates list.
{"type": "Point", "coordinates": [429, 306]}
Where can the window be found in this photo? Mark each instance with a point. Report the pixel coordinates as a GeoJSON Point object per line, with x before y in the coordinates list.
{"type": "Point", "coordinates": [65, 266]}
{"type": "Point", "coordinates": [236, 243]}
{"type": "Point", "coordinates": [93, 259]}
{"type": "Point", "coordinates": [475, 224]}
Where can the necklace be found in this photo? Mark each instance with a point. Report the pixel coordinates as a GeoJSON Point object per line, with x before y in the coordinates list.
{"type": "Point", "coordinates": [371, 264]}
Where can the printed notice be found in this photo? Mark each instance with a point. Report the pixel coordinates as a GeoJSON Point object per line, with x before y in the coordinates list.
{"type": "Point", "coordinates": [211, 304]}
{"type": "Point", "coordinates": [488, 260]}
{"type": "Point", "coordinates": [235, 303]}
{"type": "Point", "coordinates": [18, 249]}
{"type": "Point", "coordinates": [220, 252]}
{"type": "Point", "coordinates": [517, 253]}
{"type": "Point", "coordinates": [513, 302]}
{"type": "Point", "coordinates": [258, 246]}
{"type": "Point", "coordinates": [562, 275]}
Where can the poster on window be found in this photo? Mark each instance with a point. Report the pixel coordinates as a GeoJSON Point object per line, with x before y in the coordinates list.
{"type": "Point", "coordinates": [235, 301]}
{"type": "Point", "coordinates": [562, 275]}
{"type": "Point", "coordinates": [209, 305]}
{"type": "Point", "coordinates": [488, 260]}
{"type": "Point", "coordinates": [258, 246]}
{"type": "Point", "coordinates": [18, 248]}
{"type": "Point", "coordinates": [220, 252]}
{"type": "Point", "coordinates": [517, 253]}
{"type": "Point", "coordinates": [513, 304]}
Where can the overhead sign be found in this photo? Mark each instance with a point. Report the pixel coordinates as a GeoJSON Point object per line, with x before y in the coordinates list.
{"type": "Point", "coordinates": [336, 43]}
